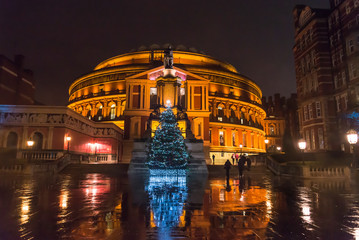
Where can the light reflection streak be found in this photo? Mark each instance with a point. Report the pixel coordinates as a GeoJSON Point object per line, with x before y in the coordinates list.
{"type": "Point", "coordinates": [24, 217]}
{"type": "Point", "coordinates": [356, 234]}
{"type": "Point", "coordinates": [63, 215]}
{"type": "Point", "coordinates": [94, 187]}
{"type": "Point", "coordinates": [64, 199]}
{"type": "Point", "coordinates": [304, 205]}
{"type": "Point", "coordinates": [25, 195]}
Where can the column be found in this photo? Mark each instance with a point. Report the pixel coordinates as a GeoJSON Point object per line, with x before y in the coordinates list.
{"type": "Point", "coordinates": [203, 100]}
{"type": "Point", "coordinates": [50, 137]}
{"type": "Point", "coordinates": [141, 96]}
{"type": "Point", "coordinates": [192, 97]}
{"type": "Point", "coordinates": [24, 136]}
{"type": "Point", "coordinates": [175, 100]}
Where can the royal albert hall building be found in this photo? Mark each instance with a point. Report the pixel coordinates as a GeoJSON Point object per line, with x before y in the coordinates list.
{"type": "Point", "coordinates": [223, 106]}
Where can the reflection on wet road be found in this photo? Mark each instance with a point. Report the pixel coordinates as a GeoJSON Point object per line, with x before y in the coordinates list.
{"type": "Point", "coordinates": [100, 206]}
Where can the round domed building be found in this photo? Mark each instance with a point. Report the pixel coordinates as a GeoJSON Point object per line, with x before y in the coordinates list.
{"type": "Point", "coordinates": [223, 106]}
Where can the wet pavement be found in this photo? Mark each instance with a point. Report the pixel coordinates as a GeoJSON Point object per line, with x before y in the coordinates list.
{"type": "Point", "coordinates": [107, 206]}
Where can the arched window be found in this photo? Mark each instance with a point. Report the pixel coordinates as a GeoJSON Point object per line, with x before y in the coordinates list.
{"type": "Point", "coordinates": [113, 112]}
{"type": "Point", "coordinates": [38, 139]}
{"type": "Point", "coordinates": [233, 113]}
{"type": "Point", "coordinates": [220, 113]}
{"type": "Point", "coordinates": [221, 138]}
{"type": "Point", "coordinates": [11, 141]}
{"type": "Point", "coordinates": [99, 113]}
{"type": "Point", "coordinates": [89, 110]}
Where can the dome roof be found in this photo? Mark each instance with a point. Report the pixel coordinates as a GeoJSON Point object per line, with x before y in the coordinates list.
{"type": "Point", "coordinates": [154, 53]}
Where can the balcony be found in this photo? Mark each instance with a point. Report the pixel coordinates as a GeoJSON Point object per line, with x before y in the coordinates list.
{"type": "Point", "coordinates": [98, 94]}
{"type": "Point", "coordinates": [231, 96]}
{"type": "Point", "coordinates": [234, 120]}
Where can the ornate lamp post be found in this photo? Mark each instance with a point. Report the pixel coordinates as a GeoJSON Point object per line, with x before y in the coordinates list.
{"type": "Point", "coordinates": [241, 146]}
{"type": "Point", "coordinates": [352, 137]}
{"type": "Point", "coordinates": [68, 139]}
{"type": "Point", "coordinates": [266, 141]}
{"type": "Point", "coordinates": [302, 144]}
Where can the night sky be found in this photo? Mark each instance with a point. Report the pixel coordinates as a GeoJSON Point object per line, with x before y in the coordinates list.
{"type": "Point", "coordinates": [64, 39]}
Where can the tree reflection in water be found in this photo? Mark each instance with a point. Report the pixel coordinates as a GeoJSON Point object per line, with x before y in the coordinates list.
{"type": "Point", "coordinates": [167, 196]}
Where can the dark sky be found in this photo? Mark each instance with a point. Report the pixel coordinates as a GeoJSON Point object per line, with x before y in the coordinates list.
{"type": "Point", "coordinates": [64, 39]}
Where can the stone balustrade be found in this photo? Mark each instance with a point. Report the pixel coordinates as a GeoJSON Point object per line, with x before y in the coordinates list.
{"type": "Point", "coordinates": [40, 154]}
{"type": "Point", "coordinates": [332, 172]}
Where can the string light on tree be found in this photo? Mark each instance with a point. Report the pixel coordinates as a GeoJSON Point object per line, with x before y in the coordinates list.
{"type": "Point", "coordinates": [167, 149]}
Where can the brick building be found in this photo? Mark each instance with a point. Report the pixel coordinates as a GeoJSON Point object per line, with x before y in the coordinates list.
{"type": "Point", "coordinates": [17, 85]}
{"type": "Point", "coordinates": [326, 62]}
{"type": "Point", "coordinates": [281, 119]}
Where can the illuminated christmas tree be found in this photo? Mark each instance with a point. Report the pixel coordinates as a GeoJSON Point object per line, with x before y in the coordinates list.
{"type": "Point", "coordinates": [167, 149]}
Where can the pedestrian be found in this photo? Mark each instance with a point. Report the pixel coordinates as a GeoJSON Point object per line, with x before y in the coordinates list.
{"type": "Point", "coordinates": [227, 166]}
{"type": "Point", "coordinates": [241, 163]}
{"type": "Point", "coordinates": [233, 157]}
{"type": "Point", "coordinates": [213, 158]}
{"type": "Point", "coordinates": [249, 163]}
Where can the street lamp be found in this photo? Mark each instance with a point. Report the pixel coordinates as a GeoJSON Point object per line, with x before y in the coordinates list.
{"type": "Point", "coordinates": [279, 148]}
{"type": "Point", "coordinates": [68, 139]}
{"type": "Point", "coordinates": [240, 146]}
{"type": "Point", "coordinates": [302, 144]}
{"type": "Point", "coordinates": [266, 141]}
{"type": "Point", "coordinates": [352, 137]}
{"type": "Point", "coordinates": [30, 143]}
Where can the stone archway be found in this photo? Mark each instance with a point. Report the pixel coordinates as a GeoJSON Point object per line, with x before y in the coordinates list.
{"type": "Point", "coordinates": [38, 140]}
{"type": "Point", "coordinates": [11, 141]}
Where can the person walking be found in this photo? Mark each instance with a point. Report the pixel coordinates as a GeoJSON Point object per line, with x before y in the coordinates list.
{"type": "Point", "coordinates": [241, 163]}
{"type": "Point", "coordinates": [249, 163]}
{"type": "Point", "coordinates": [213, 158]}
{"type": "Point", "coordinates": [233, 157]}
{"type": "Point", "coordinates": [227, 166]}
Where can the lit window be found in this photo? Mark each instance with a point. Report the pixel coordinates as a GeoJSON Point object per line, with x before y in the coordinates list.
{"type": "Point", "coordinates": [347, 8]}
{"type": "Point", "coordinates": [351, 46]}
{"type": "Point", "coordinates": [153, 91]}
{"type": "Point", "coordinates": [337, 99]}
{"type": "Point", "coordinates": [113, 112]}
{"type": "Point", "coordinates": [233, 138]}
{"type": "Point", "coordinates": [99, 113]}
{"type": "Point", "coordinates": [182, 91]}
{"type": "Point", "coordinates": [318, 109]}
{"type": "Point", "coordinates": [353, 71]}
{"type": "Point", "coordinates": [271, 130]}
{"type": "Point", "coordinates": [320, 138]}
{"type": "Point", "coordinates": [313, 139]}
{"type": "Point", "coordinates": [305, 113]}
{"type": "Point", "coordinates": [310, 110]}
{"type": "Point", "coordinates": [221, 138]}
{"type": "Point", "coordinates": [307, 139]}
